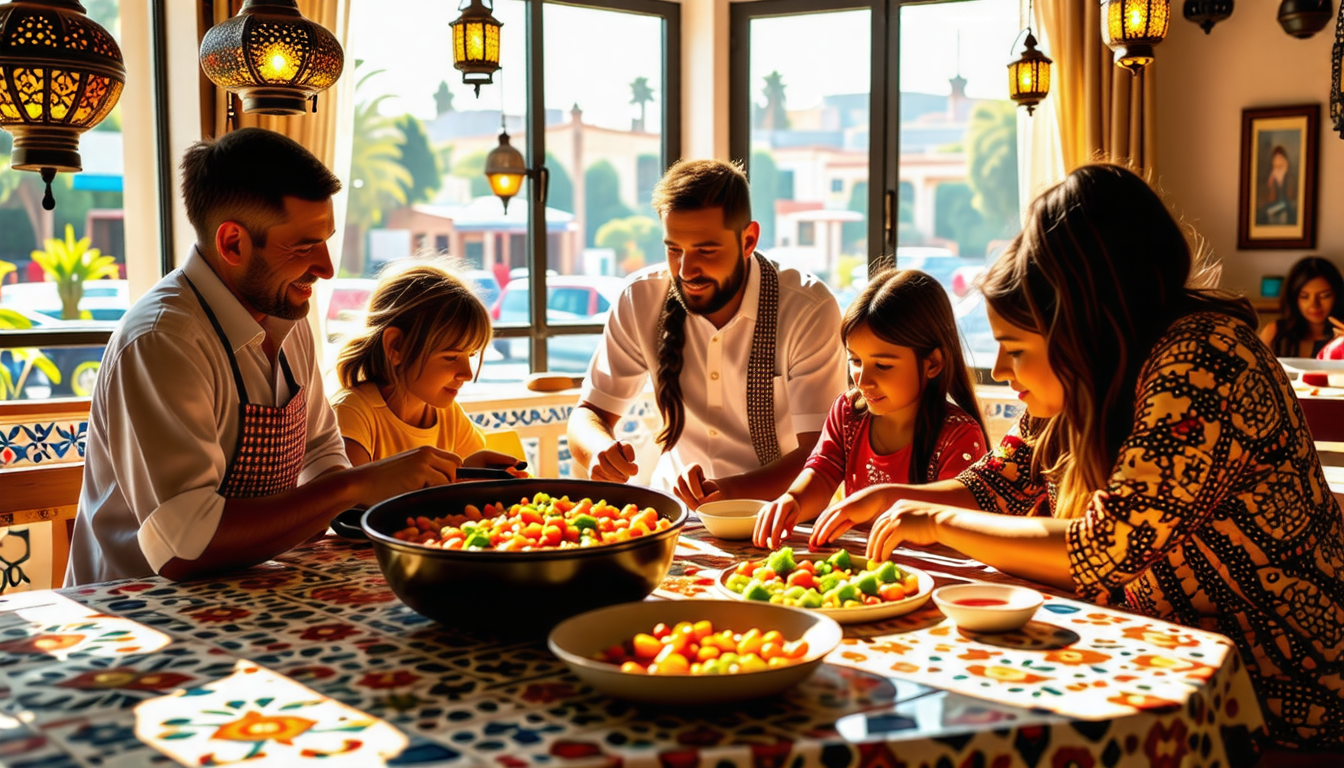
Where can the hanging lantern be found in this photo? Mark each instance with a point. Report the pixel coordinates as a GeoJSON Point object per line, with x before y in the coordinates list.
{"type": "Point", "coordinates": [1029, 76]}
{"type": "Point", "coordinates": [273, 57]}
{"type": "Point", "coordinates": [476, 44]}
{"type": "Point", "coordinates": [1132, 27]}
{"type": "Point", "coordinates": [1304, 18]}
{"type": "Point", "coordinates": [1206, 13]}
{"type": "Point", "coordinates": [60, 75]}
{"type": "Point", "coordinates": [505, 169]}
{"type": "Point", "coordinates": [1336, 63]}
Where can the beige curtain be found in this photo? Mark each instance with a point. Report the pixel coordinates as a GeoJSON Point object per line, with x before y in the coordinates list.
{"type": "Point", "coordinates": [1104, 112]}
{"type": "Point", "coordinates": [316, 131]}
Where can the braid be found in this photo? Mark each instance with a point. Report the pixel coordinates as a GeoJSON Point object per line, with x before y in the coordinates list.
{"type": "Point", "coordinates": [667, 383]}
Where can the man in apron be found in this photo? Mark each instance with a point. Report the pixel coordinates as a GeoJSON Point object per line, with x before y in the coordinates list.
{"type": "Point", "coordinates": [211, 445]}
{"type": "Point", "coordinates": [745, 356]}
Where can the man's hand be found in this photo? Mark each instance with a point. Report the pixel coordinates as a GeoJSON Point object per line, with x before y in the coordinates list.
{"type": "Point", "coordinates": [694, 489]}
{"type": "Point", "coordinates": [615, 464]}
{"type": "Point", "coordinates": [908, 521]}
{"type": "Point", "coordinates": [776, 521]}
{"type": "Point", "coordinates": [412, 470]}
{"type": "Point", "coordinates": [855, 509]}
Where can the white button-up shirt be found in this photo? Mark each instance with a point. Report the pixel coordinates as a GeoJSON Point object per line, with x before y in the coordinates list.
{"type": "Point", "coordinates": [163, 424]}
{"type": "Point", "coordinates": [809, 368]}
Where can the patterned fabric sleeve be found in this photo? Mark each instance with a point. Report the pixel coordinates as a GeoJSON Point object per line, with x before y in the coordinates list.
{"type": "Point", "coordinates": [1176, 465]}
{"type": "Point", "coordinates": [1001, 480]}
{"type": "Point", "coordinates": [829, 457]}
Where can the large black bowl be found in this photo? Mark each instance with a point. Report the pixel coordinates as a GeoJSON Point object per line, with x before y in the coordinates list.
{"type": "Point", "coordinates": [511, 591]}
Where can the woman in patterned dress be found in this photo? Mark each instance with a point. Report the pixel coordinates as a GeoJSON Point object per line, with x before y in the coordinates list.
{"type": "Point", "coordinates": [1163, 464]}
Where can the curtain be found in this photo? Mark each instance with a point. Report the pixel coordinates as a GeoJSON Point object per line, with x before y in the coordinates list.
{"type": "Point", "coordinates": [1103, 112]}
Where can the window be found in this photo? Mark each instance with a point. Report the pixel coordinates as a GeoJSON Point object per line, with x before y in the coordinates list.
{"type": "Point", "coordinates": [885, 148]}
{"type": "Point", "coordinates": [51, 344]}
{"type": "Point", "coordinates": [604, 134]}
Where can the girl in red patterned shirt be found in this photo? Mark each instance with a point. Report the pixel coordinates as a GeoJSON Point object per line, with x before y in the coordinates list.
{"type": "Point", "coordinates": [896, 424]}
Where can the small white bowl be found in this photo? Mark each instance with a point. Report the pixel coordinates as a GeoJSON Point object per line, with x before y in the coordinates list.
{"type": "Point", "coordinates": [578, 639]}
{"type": "Point", "coordinates": [1008, 607]}
{"type": "Point", "coordinates": [731, 518]}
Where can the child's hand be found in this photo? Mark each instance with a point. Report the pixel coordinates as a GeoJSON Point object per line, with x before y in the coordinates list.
{"type": "Point", "coordinates": [776, 521]}
{"type": "Point", "coordinates": [856, 509]}
{"type": "Point", "coordinates": [907, 521]}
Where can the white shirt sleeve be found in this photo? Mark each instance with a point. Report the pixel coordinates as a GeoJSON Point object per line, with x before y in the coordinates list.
{"type": "Point", "coordinates": [164, 441]}
{"type": "Point", "coordinates": [324, 449]}
{"type": "Point", "coordinates": [619, 370]}
{"type": "Point", "coordinates": [816, 364]}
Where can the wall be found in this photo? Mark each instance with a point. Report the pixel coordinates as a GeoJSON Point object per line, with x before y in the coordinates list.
{"type": "Point", "coordinates": [1203, 84]}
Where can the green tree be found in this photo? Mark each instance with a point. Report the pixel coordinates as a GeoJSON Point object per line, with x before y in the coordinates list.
{"type": "Point", "coordinates": [773, 116]}
{"type": "Point", "coordinates": [764, 193]}
{"type": "Point", "coordinates": [443, 99]}
{"type": "Point", "coordinates": [419, 159]}
{"type": "Point", "coordinates": [640, 95]}
{"type": "Point", "coordinates": [629, 238]}
{"type": "Point", "coordinates": [955, 218]}
{"type": "Point", "coordinates": [560, 192]}
{"type": "Point", "coordinates": [71, 263]}
{"type": "Point", "coordinates": [853, 234]}
{"type": "Point", "coordinates": [602, 198]}
{"type": "Point", "coordinates": [472, 167]}
{"type": "Point", "coordinates": [378, 180]}
{"type": "Point", "coordinates": [992, 164]}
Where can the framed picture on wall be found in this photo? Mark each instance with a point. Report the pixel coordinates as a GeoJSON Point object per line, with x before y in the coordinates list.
{"type": "Point", "coordinates": [1278, 177]}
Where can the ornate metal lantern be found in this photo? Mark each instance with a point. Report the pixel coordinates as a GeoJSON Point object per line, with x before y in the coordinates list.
{"type": "Point", "coordinates": [1206, 13]}
{"type": "Point", "coordinates": [273, 57]}
{"type": "Point", "coordinates": [1029, 76]}
{"type": "Point", "coordinates": [476, 44]}
{"type": "Point", "coordinates": [1304, 18]}
{"type": "Point", "coordinates": [505, 169]}
{"type": "Point", "coordinates": [60, 75]}
{"type": "Point", "coordinates": [1132, 27]}
{"type": "Point", "coordinates": [1337, 88]}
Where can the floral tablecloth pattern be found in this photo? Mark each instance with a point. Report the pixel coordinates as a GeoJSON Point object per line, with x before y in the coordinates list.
{"type": "Point", "coordinates": [311, 659]}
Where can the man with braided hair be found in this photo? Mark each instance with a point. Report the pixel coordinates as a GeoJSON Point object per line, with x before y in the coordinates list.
{"type": "Point", "coordinates": [745, 356]}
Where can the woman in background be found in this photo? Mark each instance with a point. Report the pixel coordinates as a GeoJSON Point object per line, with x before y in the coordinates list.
{"type": "Point", "coordinates": [1311, 312]}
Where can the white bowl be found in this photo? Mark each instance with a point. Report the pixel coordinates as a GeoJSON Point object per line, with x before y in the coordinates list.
{"type": "Point", "coordinates": [578, 639]}
{"type": "Point", "coordinates": [1012, 607]}
{"type": "Point", "coordinates": [731, 518]}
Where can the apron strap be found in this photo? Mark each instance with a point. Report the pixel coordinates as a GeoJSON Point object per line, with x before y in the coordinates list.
{"type": "Point", "coordinates": [228, 347]}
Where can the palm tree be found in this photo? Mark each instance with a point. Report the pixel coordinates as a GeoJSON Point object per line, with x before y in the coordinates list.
{"type": "Point", "coordinates": [774, 117]}
{"type": "Point", "coordinates": [640, 95]}
{"type": "Point", "coordinates": [378, 180]}
{"type": "Point", "coordinates": [71, 263]}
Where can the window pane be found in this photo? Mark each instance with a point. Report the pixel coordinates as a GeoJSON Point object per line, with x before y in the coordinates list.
{"type": "Point", "coordinates": [604, 116]}
{"type": "Point", "coordinates": [417, 183]}
{"type": "Point", "coordinates": [958, 199]}
{"type": "Point", "coordinates": [809, 142]}
{"type": "Point", "coordinates": [89, 216]}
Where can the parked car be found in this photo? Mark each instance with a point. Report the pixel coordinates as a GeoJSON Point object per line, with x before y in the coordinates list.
{"type": "Point", "coordinates": [483, 284]}
{"type": "Point", "coordinates": [104, 300]}
{"type": "Point", "coordinates": [955, 273]}
{"type": "Point", "coordinates": [569, 298]}
{"type": "Point", "coordinates": [346, 306]}
{"type": "Point", "coordinates": [77, 366]}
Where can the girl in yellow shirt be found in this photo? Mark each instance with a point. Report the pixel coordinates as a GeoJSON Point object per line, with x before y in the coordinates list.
{"type": "Point", "coordinates": [400, 376]}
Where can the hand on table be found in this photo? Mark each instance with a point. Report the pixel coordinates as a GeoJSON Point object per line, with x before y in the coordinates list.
{"type": "Point", "coordinates": [407, 471]}
{"type": "Point", "coordinates": [615, 464]}
{"type": "Point", "coordinates": [694, 489]}
{"type": "Point", "coordinates": [907, 521]}
{"type": "Point", "coordinates": [776, 522]}
{"type": "Point", "coordinates": [855, 509]}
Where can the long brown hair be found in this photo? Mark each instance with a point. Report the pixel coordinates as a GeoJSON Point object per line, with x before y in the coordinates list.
{"type": "Point", "coordinates": [1101, 269]}
{"type": "Point", "coordinates": [1292, 325]}
{"type": "Point", "coordinates": [432, 307]}
{"type": "Point", "coordinates": [909, 308]}
{"type": "Point", "coordinates": [690, 185]}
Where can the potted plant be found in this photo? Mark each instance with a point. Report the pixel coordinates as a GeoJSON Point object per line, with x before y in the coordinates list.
{"type": "Point", "coordinates": [71, 263]}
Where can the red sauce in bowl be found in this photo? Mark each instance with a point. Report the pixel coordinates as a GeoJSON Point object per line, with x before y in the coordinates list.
{"type": "Point", "coordinates": [979, 602]}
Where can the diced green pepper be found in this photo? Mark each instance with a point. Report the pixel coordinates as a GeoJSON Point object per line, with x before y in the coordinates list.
{"type": "Point", "coordinates": [823, 568]}
{"type": "Point", "coordinates": [585, 521]}
{"type": "Point", "coordinates": [867, 583]}
{"type": "Point", "coordinates": [793, 593]}
{"type": "Point", "coordinates": [477, 539]}
{"type": "Point", "coordinates": [846, 591]}
{"type": "Point", "coordinates": [756, 591]}
{"type": "Point", "coordinates": [810, 599]}
{"type": "Point", "coordinates": [887, 572]}
{"type": "Point", "coordinates": [781, 561]}
{"type": "Point", "coordinates": [828, 582]}
{"type": "Point", "coordinates": [839, 560]}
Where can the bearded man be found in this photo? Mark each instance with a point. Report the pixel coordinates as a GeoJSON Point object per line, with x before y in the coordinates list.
{"type": "Point", "coordinates": [745, 356]}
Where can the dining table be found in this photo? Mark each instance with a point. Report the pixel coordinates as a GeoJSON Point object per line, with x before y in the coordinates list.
{"type": "Point", "coordinates": [310, 659]}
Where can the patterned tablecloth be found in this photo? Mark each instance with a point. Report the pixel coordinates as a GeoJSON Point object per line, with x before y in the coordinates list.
{"type": "Point", "coordinates": [312, 660]}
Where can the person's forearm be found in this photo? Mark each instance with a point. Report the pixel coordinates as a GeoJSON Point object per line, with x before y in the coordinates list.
{"type": "Point", "coordinates": [588, 434]}
{"type": "Point", "coordinates": [768, 482]}
{"type": "Point", "coordinates": [1030, 547]}
{"type": "Point", "coordinates": [950, 493]}
{"type": "Point", "coordinates": [251, 531]}
{"type": "Point", "coordinates": [813, 491]}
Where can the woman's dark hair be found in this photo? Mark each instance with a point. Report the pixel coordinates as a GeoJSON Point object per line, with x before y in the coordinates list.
{"type": "Point", "coordinates": [909, 308]}
{"type": "Point", "coordinates": [690, 185]}
{"type": "Point", "coordinates": [1101, 269]}
{"type": "Point", "coordinates": [1291, 327]}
